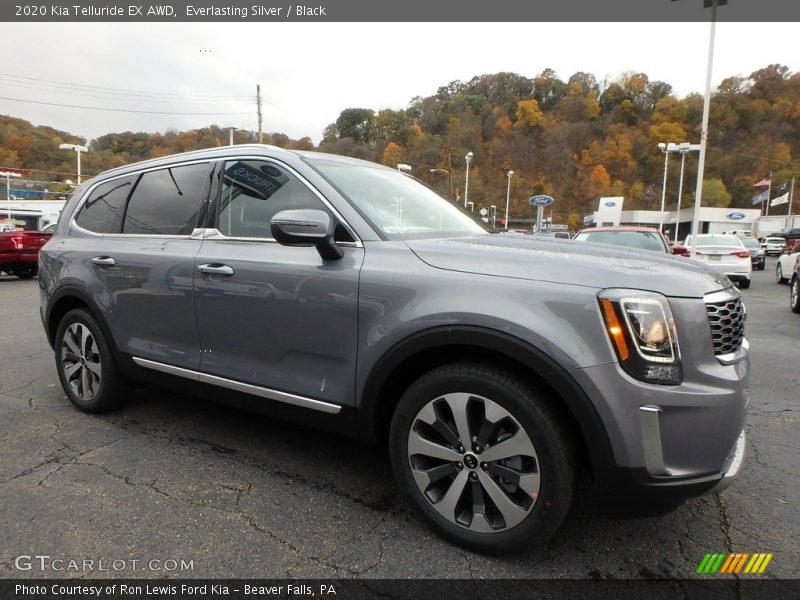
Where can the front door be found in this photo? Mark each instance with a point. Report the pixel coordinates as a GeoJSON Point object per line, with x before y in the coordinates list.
{"type": "Point", "coordinates": [268, 315]}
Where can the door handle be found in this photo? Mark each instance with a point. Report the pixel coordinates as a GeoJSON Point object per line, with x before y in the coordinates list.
{"type": "Point", "coordinates": [216, 269]}
{"type": "Point", "coordinates": [104, 261]}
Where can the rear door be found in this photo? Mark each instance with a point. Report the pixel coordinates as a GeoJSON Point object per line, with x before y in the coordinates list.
{"type": "Point", "coordinates": [273, 316]}
{"type": "Point", "coordinates": [141, 254]}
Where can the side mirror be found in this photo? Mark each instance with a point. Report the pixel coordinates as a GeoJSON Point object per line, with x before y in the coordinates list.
{"type": "Point", "coordinates": [681, 250]}
{"type": "Point", "coordinates": [306, 228]}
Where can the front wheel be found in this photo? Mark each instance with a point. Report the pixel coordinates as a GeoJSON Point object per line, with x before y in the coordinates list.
{"type": "Point", "coordinates": [482, 457]}
{"type": "Point", "coordinates": [85, 365]}
{"type": "Point", "coordinates": [794, 295]}
{"type": "Point", "coordinates": [779, 278]}
{"type": "Point", "coordinates": [744, 284]}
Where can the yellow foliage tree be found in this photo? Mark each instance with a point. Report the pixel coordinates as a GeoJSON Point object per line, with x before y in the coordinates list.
{"type": "Point", "coordinates": [393, 154]}
{"type": "Point", "coordinates": [528, 113]}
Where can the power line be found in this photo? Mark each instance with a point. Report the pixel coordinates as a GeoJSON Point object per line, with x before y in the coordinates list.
{"type": "Point", "coordinates": [118, 96]}
{"type": "Point", "coordinates": [126, 110]}
{"type": "Point", "coordinates": [73, 85]}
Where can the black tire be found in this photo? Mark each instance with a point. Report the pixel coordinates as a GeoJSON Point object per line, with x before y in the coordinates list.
{"type": "Point", "coordinates": [26, 272]}
{"type": "Point", "coordinates": [527, 416]}
{"type": "Point", "coordinates": [779, 278]}
{"type": "Point", "coordinates": [103, 388]}
{"type": "Point", "coordinates": [794, 295]}
{"type": "Point", "coordinates": [744, 284]}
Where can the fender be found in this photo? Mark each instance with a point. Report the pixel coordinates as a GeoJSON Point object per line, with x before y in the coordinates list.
{"type": "Point", "coordinates": [559, 379]}
{"type": "Point", "coordinates": [74, 291]}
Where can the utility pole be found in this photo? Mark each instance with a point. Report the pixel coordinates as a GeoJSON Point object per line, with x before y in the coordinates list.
{"type": "Point", "coordinates": [791, 199]}
{"type": "Point", "coordinates": [769, 193]}
{"type": "Point", "coordinates": [258, 105]}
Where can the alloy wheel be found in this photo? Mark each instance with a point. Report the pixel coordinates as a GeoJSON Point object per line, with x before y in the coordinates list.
{"type": "Point", "coordinates": [794, 294]}
{"type": "Point", "coordinates": [80, 361]}
{"type": "Point", "coordinates": [474, 462]}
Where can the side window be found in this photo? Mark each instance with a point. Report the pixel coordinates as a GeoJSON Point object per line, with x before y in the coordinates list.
{"type": "Point", "coordinates": [167, 201]}
{"type": "Point", "coordinates": [103, 210]}
{"type": "Point", "coordinates": [253, 192]}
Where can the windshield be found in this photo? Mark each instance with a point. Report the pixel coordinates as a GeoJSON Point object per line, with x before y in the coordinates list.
{"type": "Point", "coordinates": [644, 240]}
{"type": "Point", "coordinates": [397, 206]}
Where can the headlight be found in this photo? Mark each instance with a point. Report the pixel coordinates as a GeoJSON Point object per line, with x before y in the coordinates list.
{"type": "Point", "coordinates": [642, 331]}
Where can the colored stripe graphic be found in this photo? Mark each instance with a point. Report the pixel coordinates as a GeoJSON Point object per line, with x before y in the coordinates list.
{"type": "Point", "coordinates": [720, 562]}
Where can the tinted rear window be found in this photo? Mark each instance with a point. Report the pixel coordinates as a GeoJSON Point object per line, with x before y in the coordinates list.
{"type": "Point", "coordinates": [167, 201]}
{"type": "Point", "coordinates": [102, 212]}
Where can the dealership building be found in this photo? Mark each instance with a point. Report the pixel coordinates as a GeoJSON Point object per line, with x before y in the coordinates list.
{"type": "Point", "coordinates": [712, 219]}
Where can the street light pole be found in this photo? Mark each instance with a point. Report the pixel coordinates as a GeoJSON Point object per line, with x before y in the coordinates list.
{"type": "Point", "coordinates": [467, 158]}
{"type": "Point", "coordinates": [701, 162]}
{"type": "Point", "coordinates": [510, 174]}
{"type": "Point", "coordinates": [77, 149]}
{"type": "Point", "coordinates": [665, 148]}
{"type": "Point", "coordinates": [8, 175]}
{"type": "Point", "coordinates": [684, 148]}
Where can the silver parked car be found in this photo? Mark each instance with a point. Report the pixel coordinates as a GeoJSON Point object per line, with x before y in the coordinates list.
{"type": "Point", "coordinates": [348, 296]}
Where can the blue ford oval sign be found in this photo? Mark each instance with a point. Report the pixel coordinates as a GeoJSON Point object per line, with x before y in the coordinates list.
{"type": "Point", "coordinates": [735, 216]}
{"type": "Point", "coordinates": [610, 204]}
{"type": "Point", "coordinates": [541, 200]}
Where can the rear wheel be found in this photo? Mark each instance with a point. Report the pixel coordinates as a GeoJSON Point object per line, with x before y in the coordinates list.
{"type": "Point", "coordinates": [85, 365]}
{"type": "Point", "coordinates": [482, 457]}
{"type": "Point", "coordinates": [794, 295]}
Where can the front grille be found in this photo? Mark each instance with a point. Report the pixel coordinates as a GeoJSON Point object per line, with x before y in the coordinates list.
{"type": "Point", "coordinates": [727, 325]}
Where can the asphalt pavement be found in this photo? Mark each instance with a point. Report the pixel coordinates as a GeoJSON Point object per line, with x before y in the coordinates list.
{"type": "Point", "coordinates": [173, 486]}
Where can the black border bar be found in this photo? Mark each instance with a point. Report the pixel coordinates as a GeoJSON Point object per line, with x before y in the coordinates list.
{"type": "Point", "coordinates": [497, 11]}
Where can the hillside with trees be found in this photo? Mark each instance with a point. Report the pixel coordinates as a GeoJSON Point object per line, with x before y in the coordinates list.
{"type": "Point", "coordinates": [575, 140]}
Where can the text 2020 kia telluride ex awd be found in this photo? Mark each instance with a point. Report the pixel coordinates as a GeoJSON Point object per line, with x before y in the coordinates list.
{"type": "Point", "coordinates": [352, 297]}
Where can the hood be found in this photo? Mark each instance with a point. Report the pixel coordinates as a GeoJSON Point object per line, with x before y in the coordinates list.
{"type": "Point", "coordinates": [566, 261]}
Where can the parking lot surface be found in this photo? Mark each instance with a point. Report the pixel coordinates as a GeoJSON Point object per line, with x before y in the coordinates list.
{"type": "Point", "coordinates": [174, 478]}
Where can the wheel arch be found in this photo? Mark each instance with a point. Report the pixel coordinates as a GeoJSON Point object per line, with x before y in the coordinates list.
{"type": "Point", "coordinates": [421, 352]}
{"type": "Point", "coordinates": [66, 299]}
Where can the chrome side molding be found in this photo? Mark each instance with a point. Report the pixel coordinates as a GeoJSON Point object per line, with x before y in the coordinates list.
{"type": "Point", "coordinates": [239, 386]}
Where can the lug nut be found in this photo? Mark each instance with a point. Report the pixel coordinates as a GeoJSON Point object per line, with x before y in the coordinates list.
{"type": "Point", "coordinates": [484, 466]}
{"type": "Point", "coordinates": [459, 466]}
{"type": "Point", "coordinates": [477, 448]}
{"type": "Point", "coordinates": [473, 475]}
{"type": "Point", "coordinates": [461, 449]}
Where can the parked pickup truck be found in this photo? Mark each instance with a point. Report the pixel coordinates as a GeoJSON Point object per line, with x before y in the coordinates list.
{"type": "Point", "coordinates": [19, 252]}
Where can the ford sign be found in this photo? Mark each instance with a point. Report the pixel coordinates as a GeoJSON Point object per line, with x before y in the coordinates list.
{"type": "Point", "coordinates": [610, 204]}
{"type": "Point", "coordinates": [735, 216]}
{"type": "Point", "coordinates": [540, 200]}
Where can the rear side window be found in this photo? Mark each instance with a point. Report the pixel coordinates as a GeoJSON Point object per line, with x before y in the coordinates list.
{"type": "Point", "coordinates": [167, 201]}
{"type": "Point", "coordinates": [103, 210]}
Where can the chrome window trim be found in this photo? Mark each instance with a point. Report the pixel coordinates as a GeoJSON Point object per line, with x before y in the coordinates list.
{"type": "Point", "coordinates": [212, 234]}
{"type": "Point", "coordinates": [239, 386]}
{"type": "Point", "coordinates": [356, 244]}
{"type": "Point", "coordinates": [74, 225]}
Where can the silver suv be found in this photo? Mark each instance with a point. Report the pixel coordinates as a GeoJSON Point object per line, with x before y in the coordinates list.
{"type": "Point", "coordinates": [351, 297]}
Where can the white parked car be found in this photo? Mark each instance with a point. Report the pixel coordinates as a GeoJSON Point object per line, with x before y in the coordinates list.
{"type": "Point", "coordinates": [773, 246]}
{"type": "Point", "coordinates": [725, 253]}
{"type": "Point", "coordinates": [786, 263]}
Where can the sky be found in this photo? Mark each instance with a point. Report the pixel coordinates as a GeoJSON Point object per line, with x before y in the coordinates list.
{"type": "Point", "coordinates": [310, 72]}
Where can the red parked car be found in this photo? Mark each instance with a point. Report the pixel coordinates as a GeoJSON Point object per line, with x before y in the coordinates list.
{"type": "Point", "coordinates": [19, 252]}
